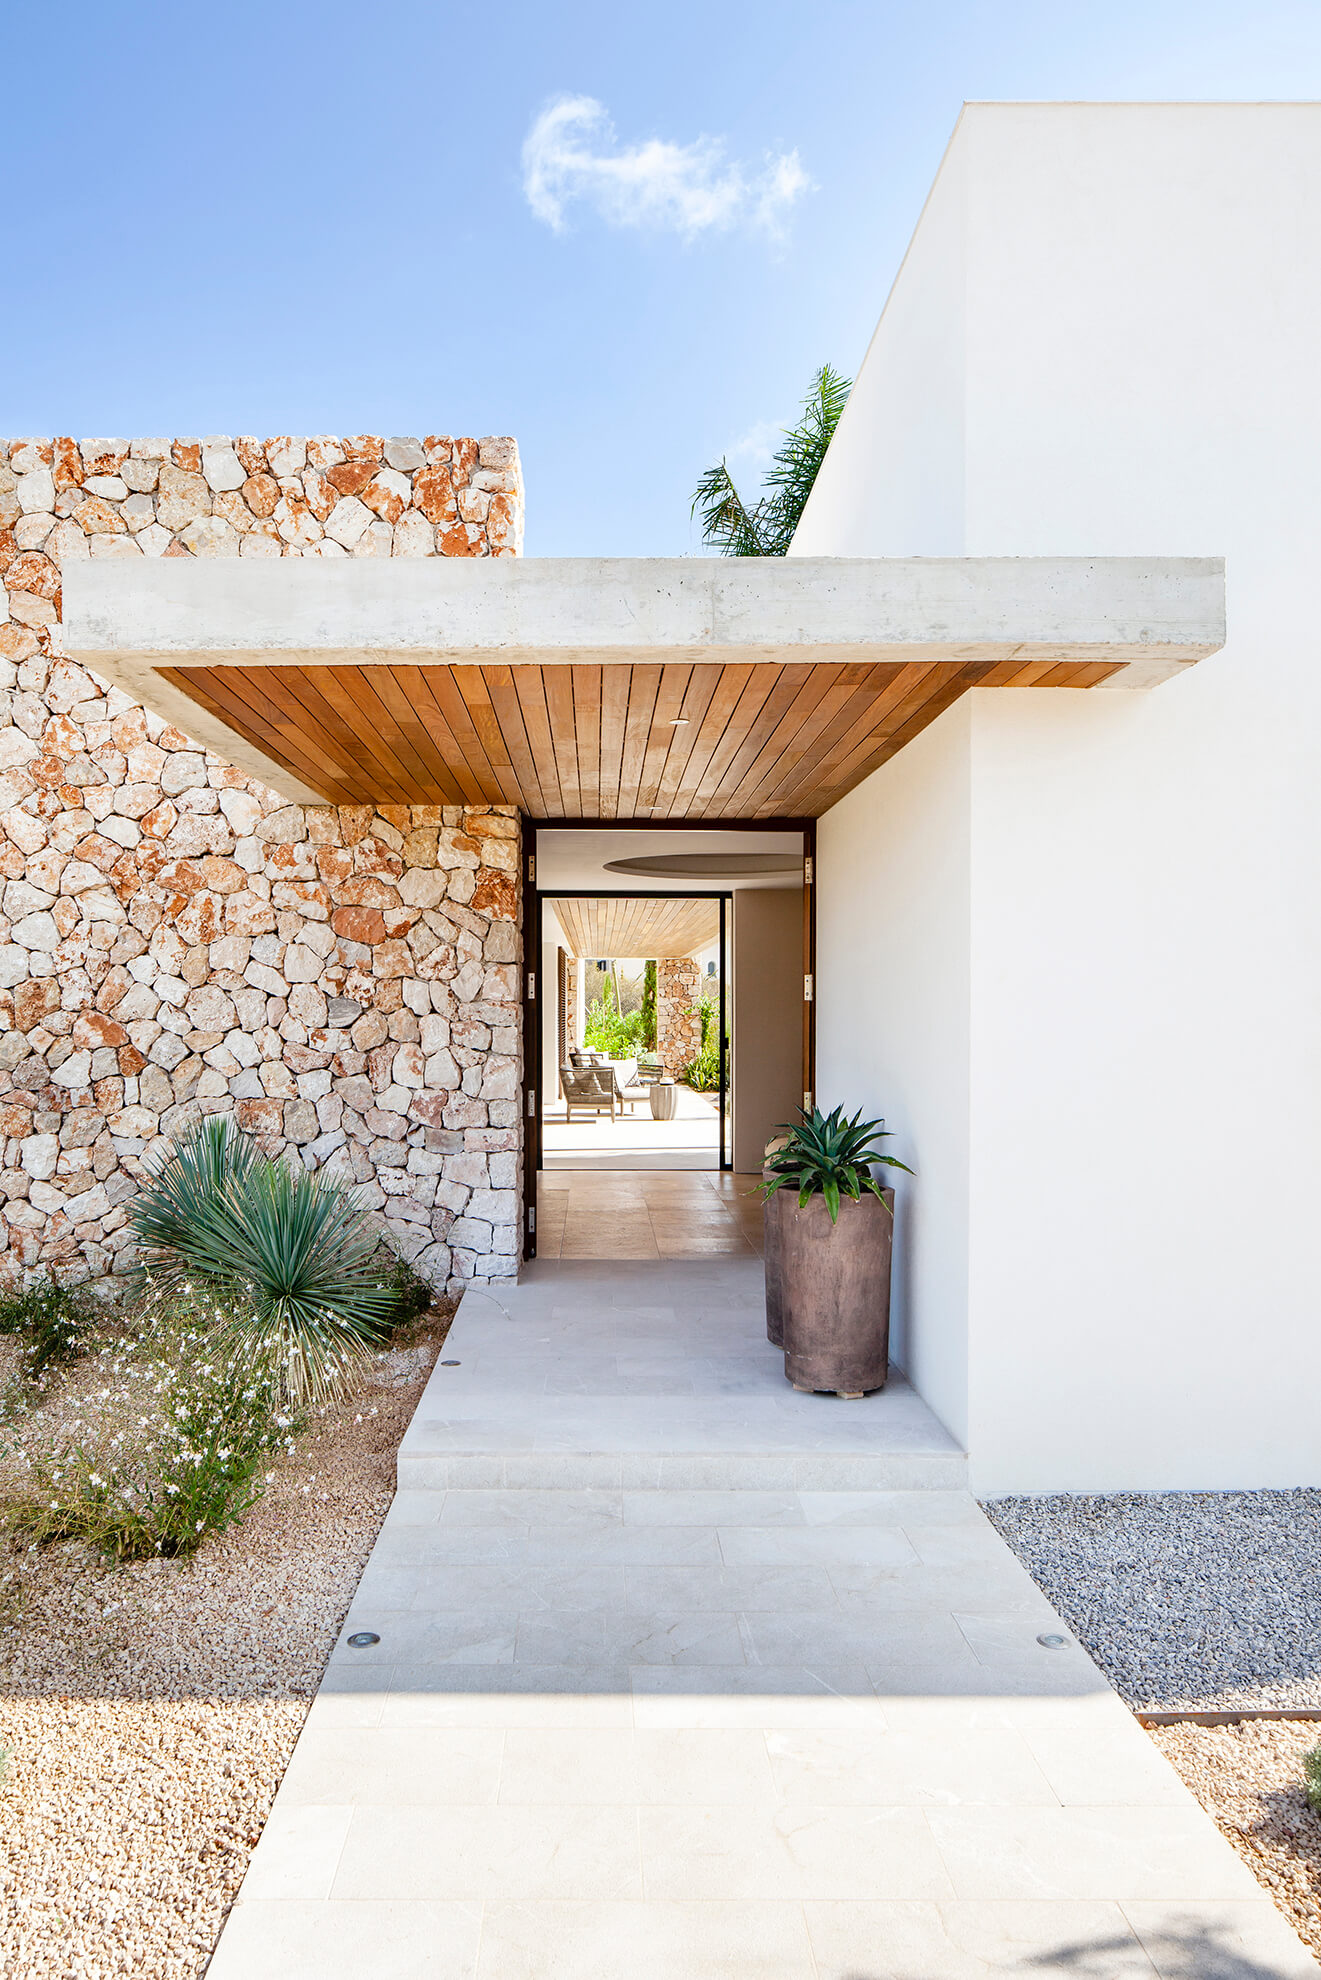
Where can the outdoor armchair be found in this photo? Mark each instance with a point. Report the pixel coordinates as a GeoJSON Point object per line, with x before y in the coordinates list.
{"type": "Point", "coordinates": [592, 1089]}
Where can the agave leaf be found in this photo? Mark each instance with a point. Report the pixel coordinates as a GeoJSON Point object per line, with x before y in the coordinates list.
{"type": "Point", "coordinates": [829, 1154]}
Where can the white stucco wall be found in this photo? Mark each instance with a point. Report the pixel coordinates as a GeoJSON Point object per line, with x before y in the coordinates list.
{"type": "Point", "coordinates": [1141, 321]}
{"type": "Point", "coordinates": [893, 1027]}
{"type": "Point", "coordinates": [907, 406]}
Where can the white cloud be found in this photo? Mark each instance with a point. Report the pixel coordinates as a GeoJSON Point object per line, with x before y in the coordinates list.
{"type": "Point", "coordinates": [571, 153]}
{"type": "Point", "coordinates": [758, 444]}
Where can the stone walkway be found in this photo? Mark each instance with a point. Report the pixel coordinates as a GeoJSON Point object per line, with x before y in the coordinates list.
{"type": "Point", "coordinates": [681, 1676]}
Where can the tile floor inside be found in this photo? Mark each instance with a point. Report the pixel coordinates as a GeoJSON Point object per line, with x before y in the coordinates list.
{"type": "Point", "coordinates": [647, 1213]}
{"type": "Point", "coordinates": [650, 1692]}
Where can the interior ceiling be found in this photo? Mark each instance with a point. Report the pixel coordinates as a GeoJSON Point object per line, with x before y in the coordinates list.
{"type": "Point", "coordinates": [582, 858]}
{"type": "Point", "coordinates": [654, 930]}
{"type": "Point", "coordinates": [733, 740]}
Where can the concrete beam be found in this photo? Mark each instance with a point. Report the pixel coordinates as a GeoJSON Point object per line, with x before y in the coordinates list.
{"type": "Point", "coordinates": [191, 719]}
{"type": "Point", "coordinates": [1151, 615]}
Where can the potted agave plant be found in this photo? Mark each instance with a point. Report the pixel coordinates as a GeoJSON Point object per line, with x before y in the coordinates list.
{"type": "Point", "coordinates": [829, 1251]}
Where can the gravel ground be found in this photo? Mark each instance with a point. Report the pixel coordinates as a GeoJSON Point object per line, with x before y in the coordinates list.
{"type": "Point", "coordinates": [1187, 1600]}
{"type": "Point", "coordinates": [149, 1711]}
{"type": "Point", "coordinates": [1249, 1778]}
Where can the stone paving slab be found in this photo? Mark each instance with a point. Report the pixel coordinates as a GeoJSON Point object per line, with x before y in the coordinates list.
{"type": "Point", "coordinates": [714, 1733]}
{"type": "Point", "coordinates": [618, 1374]}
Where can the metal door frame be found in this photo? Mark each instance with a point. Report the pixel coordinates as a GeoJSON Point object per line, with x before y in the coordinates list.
{"type": "Point", "coordinates": [530, 924]}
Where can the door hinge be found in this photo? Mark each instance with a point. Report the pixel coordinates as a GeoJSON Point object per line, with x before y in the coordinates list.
{"type": "Point", "coordinates": [809, 870]}
{"type": "Point", "coordinates": [532, 986]}
{"type": "Point", "coordinates": [532, 869]}
{"type": "Point", "coordinates": [807, 989]}
{"type": "Point", "coordinates": [531, 1218]}
{"type": "Point", "coordinates": [807, 1103]}
{"type": "Point", "coordinates": [531, 1103]}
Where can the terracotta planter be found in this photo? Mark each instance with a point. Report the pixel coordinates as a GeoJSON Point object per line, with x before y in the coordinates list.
{"type": "Point", "coordinates": [770, 1250]}
{"type": "Point", "coordinates": [772, 1237]}
{"type": "Point", "coordinates": [835, 1293]}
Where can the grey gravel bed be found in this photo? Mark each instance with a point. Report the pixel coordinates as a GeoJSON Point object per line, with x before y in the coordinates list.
{"type": "Point", "coordinates": [1187, 1600]}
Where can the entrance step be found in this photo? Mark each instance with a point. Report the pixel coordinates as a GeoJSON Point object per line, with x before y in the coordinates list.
{"type": "Point", "coordinates": [639, 1375]}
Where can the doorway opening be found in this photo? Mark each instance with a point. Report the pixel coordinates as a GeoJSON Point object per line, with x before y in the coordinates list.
{"type": "Point", "coordinates": [668, 1030]}
{"type": "Point", "coordinates": [638, 1013]}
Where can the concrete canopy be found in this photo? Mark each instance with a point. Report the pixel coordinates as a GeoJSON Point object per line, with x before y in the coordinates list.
{"type": "Point", "coordinates": [344, 681]}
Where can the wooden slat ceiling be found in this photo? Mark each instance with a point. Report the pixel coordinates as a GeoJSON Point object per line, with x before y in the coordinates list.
{"type": "Point", "coordinates": [756, 740]}
{"type": "Point", "coordinates": [651, 930]}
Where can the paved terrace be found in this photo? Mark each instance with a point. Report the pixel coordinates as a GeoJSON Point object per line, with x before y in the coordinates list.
{"type": "Point", "coordinates": [682, 1676]}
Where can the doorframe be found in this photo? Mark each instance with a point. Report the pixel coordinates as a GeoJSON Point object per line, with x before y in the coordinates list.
{"type": "Point", "coordinates": [530, 926]}
{"type": "Point", "coordinates": [535, 1101]}
{"type": "Point", "coordinates": [530, 932]}
{"type": "Point", "coordinates": [809, 966]}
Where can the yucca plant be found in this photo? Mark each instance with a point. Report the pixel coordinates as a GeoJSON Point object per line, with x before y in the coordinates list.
{"type": "Point", "coordinates": [292, 1256]}
{"type": "Point", "coordinates": [209, 1163]}
{"type": "Point", "coordinates": [829, 1155]}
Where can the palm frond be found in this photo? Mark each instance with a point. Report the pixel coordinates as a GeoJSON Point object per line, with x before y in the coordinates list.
{"type": "Point", "coordinates": [797, 462]}
{"type": "Point", "coordinates": [727, 523]}
{"type": "Point", "coordinates": [766, 529]}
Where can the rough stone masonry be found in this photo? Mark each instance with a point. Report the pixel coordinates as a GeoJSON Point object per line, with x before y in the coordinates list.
{"type": "Point", "coordinates": [176, 939]}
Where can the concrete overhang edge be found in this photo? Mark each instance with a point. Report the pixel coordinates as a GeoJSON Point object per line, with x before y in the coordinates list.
{"type": "Point", "coordinates": [126, 620]}
{"type": "Point", "coordinates": [1142, 612]}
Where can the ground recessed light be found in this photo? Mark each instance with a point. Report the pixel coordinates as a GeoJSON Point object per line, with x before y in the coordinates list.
{"type": "Point", "coordinates": [363, 1640]}
{"type": "Point", "coordinates": [1051, 1642]}
{"type": "Point", "coordinates": [450, 1364]}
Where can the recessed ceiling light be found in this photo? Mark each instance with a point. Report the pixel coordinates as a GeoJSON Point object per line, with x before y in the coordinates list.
{"type": "Point", "coordinates": [679, 722]}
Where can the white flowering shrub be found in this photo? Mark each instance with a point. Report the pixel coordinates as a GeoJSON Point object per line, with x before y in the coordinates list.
{"type": "Point", "coordinates": [172, 1445]}
{"type": "Point", "coordinates": [53, 1322]}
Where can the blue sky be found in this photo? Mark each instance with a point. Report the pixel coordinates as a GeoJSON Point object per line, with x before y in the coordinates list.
{"type": "Point", "coordinates": [310, 216]}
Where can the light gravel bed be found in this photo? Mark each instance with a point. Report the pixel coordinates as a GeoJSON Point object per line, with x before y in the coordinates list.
{"type": "Point", "coordinates": [149, 1711]}
{"type": "Point", "coordinates": [1187, 1600]}
{"type": "Point", "coordinates": [1249, 1778]}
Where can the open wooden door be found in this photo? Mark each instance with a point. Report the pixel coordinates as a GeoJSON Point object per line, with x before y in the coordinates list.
{"type": "Point", "coordinates": [809, 966]}
{"type": "Point", "coordinates": [531, 942]}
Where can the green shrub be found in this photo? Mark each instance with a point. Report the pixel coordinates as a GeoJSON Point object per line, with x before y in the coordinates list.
{"type": "Point", "coordinates": [410, 1293]}
{"type": "Point", "coordinates": [1312, 1777]}
{"type": "Point", "coordinates": [647, 1036]}
{"type": "Point", "coordinates": [290, 1254]}
{"type": "Point", "coordinates": [703, 1072]}
{"type": "Point", "coordinates": [54, 1321]}
{"type": "Point", "coordinates": [605, 1029]}
{"type": "Point", "coordinates": [203, 1425]}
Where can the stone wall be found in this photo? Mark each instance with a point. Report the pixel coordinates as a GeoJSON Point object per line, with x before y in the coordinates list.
{"type": "Point", "coordinates": [678, 1026]}
{"type": "Point", "coordinates": [175, 938]}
